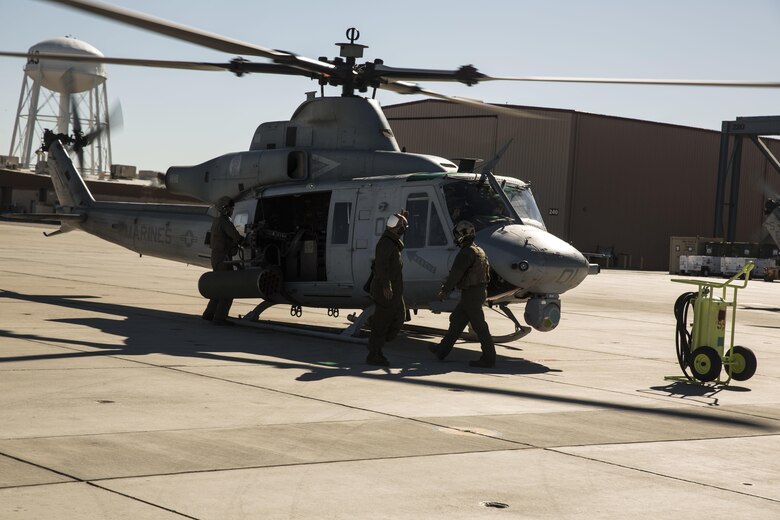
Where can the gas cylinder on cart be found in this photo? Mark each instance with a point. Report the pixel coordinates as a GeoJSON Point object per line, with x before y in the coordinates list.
{"type": "Point", "coordinates": [709, 324]}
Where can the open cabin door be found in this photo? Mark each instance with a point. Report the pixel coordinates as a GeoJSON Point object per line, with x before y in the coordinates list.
{"type": "Point", "coordinates": [367, 231]}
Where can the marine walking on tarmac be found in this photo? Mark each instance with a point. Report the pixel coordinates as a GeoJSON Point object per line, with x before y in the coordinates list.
{"type": "Point", "coordinates": [387, 289]}
{"type": "Point", "coordinates": [470, 273]}
{"type": "Point", "coordinates": [224, 241]}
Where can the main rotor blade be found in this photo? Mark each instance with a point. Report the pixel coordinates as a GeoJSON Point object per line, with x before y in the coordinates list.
{"type": "Point", "coordinates": [196, 36]}
{"type": "Point", "coordinates": [467, 74]}
{"type": "Point", "coordinates": [237, 66]}
{"type": "Point", "coordinates": [402, 87]}
{"type": "Point", "coordinates": [166, 64]}
{"type": "Point", "coordinates": [639, 81]}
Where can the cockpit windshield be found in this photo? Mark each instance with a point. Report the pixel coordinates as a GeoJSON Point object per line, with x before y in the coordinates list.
{"type": "Point", "coordinates": [524, 203]}
{"type": "Point", "coordinates": [475, 200]}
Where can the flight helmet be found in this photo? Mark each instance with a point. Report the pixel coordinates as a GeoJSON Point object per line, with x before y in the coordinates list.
{"type": "Point", "coordinates": [464, 232]}
{"type": "Point", "coordinates": [397, 222]}
{"type": "Point", "coordinates": [224, 204]}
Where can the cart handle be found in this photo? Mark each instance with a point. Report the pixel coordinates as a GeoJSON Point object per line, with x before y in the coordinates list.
{"type": "Point", "coordinates": [731, 282]}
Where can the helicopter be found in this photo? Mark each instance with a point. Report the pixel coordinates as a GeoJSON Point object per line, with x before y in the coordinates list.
{"type": "Point", "coordinates": [313, 194]}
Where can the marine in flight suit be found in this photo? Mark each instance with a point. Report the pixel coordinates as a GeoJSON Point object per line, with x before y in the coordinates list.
{"type": "Point", "coordinates": [387, 289]}
{"type": "Point", "coordinates": [224, 242]}
{"type": "Point", "coordinates": [470, 273]}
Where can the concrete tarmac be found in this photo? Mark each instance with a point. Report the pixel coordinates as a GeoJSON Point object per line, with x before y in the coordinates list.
{"type": "Point", "coordinates": [118, 401]}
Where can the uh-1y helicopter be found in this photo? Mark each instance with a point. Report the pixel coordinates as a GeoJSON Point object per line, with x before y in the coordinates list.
{"type": "Point", "coordinates": [312, 194]}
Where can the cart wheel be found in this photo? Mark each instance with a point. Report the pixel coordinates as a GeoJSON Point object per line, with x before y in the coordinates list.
{"type": "Point", "coordinates": [705, 364]}
{"type": "Point", "coordinates": [743, 363]}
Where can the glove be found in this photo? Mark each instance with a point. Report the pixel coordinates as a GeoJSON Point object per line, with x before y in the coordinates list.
{"type": "Point", "coordinates": [388, 293]}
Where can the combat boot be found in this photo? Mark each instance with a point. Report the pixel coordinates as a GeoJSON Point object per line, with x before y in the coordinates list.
{"type": "Point", "coordinates": [482, 363]}
{"type": "Point", "coordinates": [434, 349]}
{"type": "Point", "coordinates": [377, 360]}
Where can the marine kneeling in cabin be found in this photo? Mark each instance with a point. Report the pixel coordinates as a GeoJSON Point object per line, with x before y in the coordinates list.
{"type": "Point", "coordinates": [470, 273]}
{"type": "Point", "coordinates": [225, 241]}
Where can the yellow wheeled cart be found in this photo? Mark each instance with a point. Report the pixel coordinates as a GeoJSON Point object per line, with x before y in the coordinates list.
{"type": "Point", "coordinates": [703, 348]}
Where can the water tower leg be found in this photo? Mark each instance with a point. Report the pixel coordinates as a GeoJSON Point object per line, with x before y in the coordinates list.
{"type": "Point", "coordinates": [22, 96]}
{"type": "Point", "coordinates": [32, 118]}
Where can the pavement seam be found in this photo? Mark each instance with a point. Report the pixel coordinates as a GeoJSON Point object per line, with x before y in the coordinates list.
{"type": "Point", "coordinates": [131, 497]}
{"type": "Point", "coordinates": [102, 284]}
{"type": "Point", "coordinates": [662, 475]}
{"type": "Point", "coordinates": [77, 480]}
{"type": "Point", "coordinates": [660, 398]}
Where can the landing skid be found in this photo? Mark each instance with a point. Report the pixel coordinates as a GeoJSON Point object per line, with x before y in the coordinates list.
{"type": "Point", "coordinates": [350, 334]}
{"type": "Point", "coordinates": [520, 331]}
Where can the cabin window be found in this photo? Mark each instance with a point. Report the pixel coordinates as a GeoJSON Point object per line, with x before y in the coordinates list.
{"type": "Point", "coordinates": [436, 235]}
{"type": "Point", "coordinates": [425, 224]}
{"type": "Point", "coordinates": [418, 221]}
{"type": "Point", "coordinates": [340, 229]}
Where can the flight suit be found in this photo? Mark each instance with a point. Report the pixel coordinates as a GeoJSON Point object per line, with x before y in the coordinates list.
{"type": "Point", "coordinates": [224, 243]}
{"type": "Point", "coordinates": [470, 273]}
{"type": "Point", "coordinates": [389, 315]}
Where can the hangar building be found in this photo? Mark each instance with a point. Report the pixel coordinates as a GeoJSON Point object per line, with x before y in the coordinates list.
{"type": "Point", "coordinates": [602, 183]}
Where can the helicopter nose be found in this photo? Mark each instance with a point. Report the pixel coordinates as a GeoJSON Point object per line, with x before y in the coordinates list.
{"type": "Point", "coordinates": [533, 260]}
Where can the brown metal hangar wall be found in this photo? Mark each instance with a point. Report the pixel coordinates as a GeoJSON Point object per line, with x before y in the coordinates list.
{"type": "Point", "coordinates": [637, 183]}
{"type": "Point", "coordinates": [539, 153]}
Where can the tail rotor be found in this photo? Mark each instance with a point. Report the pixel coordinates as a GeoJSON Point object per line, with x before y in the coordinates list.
{"type": "Point", "coordinates": [81, 140]}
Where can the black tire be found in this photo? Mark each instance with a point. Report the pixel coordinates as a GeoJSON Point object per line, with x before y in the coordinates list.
{"type": "Point", "coordinates": [705, 364]}
{"type": "Point", "coordinates": [744, 363]}
{"type": "Point", "coordinates": [705, 271]}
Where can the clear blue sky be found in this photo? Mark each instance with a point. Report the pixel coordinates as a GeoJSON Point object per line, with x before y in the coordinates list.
{"type": "Point", "coordinates": [181, 117]}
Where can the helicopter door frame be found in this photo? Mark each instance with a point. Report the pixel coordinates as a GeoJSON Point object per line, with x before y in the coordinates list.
{"type": "Point", "coordinates": [341, 227]}
{"type": "Point", "coordinates": [428, 246]}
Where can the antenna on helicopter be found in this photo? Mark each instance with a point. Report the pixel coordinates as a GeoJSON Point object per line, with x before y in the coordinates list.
{"type": "Point", "coordinates": [351, 51]}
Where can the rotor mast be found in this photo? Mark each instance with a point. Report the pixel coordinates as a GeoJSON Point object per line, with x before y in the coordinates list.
{"type": "Point", "coordinates": [350, 52]}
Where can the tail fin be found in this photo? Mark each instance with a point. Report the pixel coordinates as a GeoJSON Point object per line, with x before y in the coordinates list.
{"type": "Point", "coordinates": [68, 184]}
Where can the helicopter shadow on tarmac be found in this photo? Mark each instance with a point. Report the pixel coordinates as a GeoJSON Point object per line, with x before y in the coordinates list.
{"type": "Point", "coordinates": [146, 331]}
{"type": "Point", "coordinates": [152, 331]}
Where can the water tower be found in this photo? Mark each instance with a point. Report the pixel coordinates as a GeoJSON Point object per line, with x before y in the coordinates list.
{"type": "Point", "coordinates": [49, 89]}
